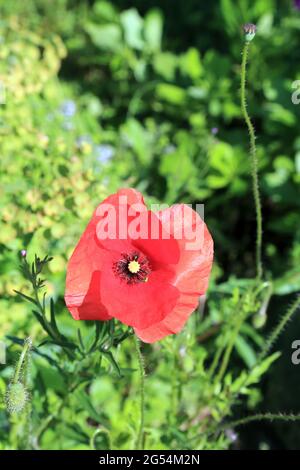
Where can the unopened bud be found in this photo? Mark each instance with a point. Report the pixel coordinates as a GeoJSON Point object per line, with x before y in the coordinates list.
{"type": "Point", "coordinates": [249, 30]}
{"type": "Point", "coordinates": [16, 397]}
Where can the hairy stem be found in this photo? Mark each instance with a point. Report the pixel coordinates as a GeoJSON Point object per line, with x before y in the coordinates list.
{"type": "Point", "coordinates": [279, 328]}
{"type": "Point", "coordinates": [289, 417]}
{"type": "Point", "coordinates": [140, 434]}
{"type": "Point", "coordinates": [260, 417]}
{"type": "Point", "coordinates": [254, 163]}
{"type": "Point", "coordinates": [22, 360]}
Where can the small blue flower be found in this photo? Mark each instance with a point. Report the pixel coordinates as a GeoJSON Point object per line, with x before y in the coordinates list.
{"type": "Point", "coordinates": [214, 130]}
{"type": "Point", "coordinates": [68, 108]}
{"type": "Point", "coordinates": [104, 153]}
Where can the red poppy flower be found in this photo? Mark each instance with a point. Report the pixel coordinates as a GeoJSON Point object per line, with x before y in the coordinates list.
{"type": "Point", "coordinates": [146, 269]}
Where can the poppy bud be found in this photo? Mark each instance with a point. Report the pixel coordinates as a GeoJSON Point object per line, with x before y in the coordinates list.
{"type": "Point", "coordinates": [249, 30]}
{"type": "Point", "coordinates": [16, 397]}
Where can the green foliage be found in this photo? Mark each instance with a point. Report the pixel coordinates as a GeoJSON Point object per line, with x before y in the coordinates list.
{"type": "Point", "coordinates": [76, 372]}
{"type": "Point", "coordinates": [100, 95]}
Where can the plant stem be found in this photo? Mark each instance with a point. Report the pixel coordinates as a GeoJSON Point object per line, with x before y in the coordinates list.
{"type": "Point", "coordinates": [215, 362]}
{"type": "Point", "coordinates": [279, 328]}
{"type": "Point", "coordinates": [249, 419]}
{"type": "Point", "coordinates": [176, 385]}
{"type": "Point", "coordinates": [239, 319]}
{"type": "Point", "coordinates": [140, 435]}
{"type": "Point", "coordinates": [229, 349]}
{"type": "Point", "coordinates": [254, 163]}
{"type": "Point", "coordinates": [22, 359]}
{"type": "Point", "coordinates": [260, 417]}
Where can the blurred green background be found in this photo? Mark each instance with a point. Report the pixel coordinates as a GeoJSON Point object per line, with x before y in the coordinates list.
{"type": "Point", "coordinates": [96, 95]}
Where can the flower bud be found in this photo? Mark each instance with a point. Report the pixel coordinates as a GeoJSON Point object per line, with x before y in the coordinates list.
{"type": "Point", "coordinates": [16, 397]}
{"type": "Point", "coordinates": [249, 30]}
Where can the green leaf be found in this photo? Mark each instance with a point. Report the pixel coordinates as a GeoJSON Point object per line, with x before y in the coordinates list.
{"type": "Point", "coordinates": [138, 138]}
{"type": "Point", "coordinates": [245, 351]}
{"type": "Point", "coordinates": [190, 63]}
{"type": "Point", "coordinates": [26, 297]}
{"type": "Point", "coordinates": [52, 378]}
{"type": "Point", "coordinates": [226, 164]}
{"type": "Point", "coordinates": [171, 93]}
{"type": "Point", "coordinates": [42, 321]}
{"type": "Point", "coordinates": [52, 317]}
{"type": "Point", "coordinates": [84, 401]}
{"type": "Point", "coordinates": [132, 23]}
{"type": "Point", "coordinates": [288, 283]}
{"type": "Point", "coordinates": [80, 339]}
{"type": "Point", "coordinates": [108, 355]}
{"type": "Point", "coordinates": [248, 330]}
{"type": "Point", "coordinates": [259, 370]}
{"type": "Point", "coordinates": [165, 64]}
{"type": "Point", "coordinates": [63, 344]}
{"type": "Point", "coordinates": [100, 328]}
{"type": "Point", "coordinates": [153, 26]}
{"type": "Point", "coordinates": [178, 166]}
{"type": "Point", "coordinates": [107, 36]}
{"type": "Point", "coordinates": [105, 11]}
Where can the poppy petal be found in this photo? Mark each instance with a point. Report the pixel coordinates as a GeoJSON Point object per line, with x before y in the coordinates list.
{"type": "Point", "coordinates": [155, 242]}
{"type": "Point", "coordinates": [114, 216]}
{"type": "Point", "coordinates": [191, 272]}
{"type": "Point", "coordinates": [82, 294]}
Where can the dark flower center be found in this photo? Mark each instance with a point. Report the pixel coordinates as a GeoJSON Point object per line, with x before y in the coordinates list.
{"type": "Point", "coordinates": [132, 268]}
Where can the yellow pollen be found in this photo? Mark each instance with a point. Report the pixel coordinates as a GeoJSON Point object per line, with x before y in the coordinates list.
{"type": "Point", "coordinates": [134, 267]}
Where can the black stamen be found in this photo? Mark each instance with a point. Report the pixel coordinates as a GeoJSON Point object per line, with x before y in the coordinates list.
{"type": "Point", "coordinates": [121, 269]}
